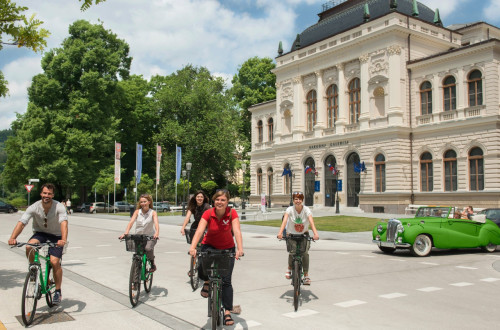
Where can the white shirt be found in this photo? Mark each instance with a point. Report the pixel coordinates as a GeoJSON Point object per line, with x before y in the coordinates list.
{"type": "Point", "coordinates": [295, 218]}
{"type": "Point", "coordinates": [144, 224]}
{"type": "Point", "coordinates": [55, 216]}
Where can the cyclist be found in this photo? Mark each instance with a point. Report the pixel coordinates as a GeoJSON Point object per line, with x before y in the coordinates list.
{"type": "Point", "coordinates": [50, 223]}
{"type": "Point", "coordinates": [197, 205]}
{"type": "Point", "coordinates": [221, 223]}
{"type": "Point", "coordinates": [146, 223]}
{"type": "Point", "coordinates": [297, 220]}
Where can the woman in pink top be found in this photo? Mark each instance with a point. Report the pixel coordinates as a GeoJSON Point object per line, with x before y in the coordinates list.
{"type": "Point", "coordinates": [221, 223]}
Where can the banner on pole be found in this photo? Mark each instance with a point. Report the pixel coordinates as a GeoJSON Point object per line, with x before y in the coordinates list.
{"type": "Point", "coordinates": [158, 161]}
{"type": "Point", "coordinates": [118, 150]}
{"type": "Point", "coordinates": [138, 162]}
{"type": "Point", "coordinates": [178, 168]}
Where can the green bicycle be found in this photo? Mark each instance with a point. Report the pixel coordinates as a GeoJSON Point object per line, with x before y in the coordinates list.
{"type": "Point", "coordinates": [37, 282]}
{"type": "Point", "coordinates": [141, 265]}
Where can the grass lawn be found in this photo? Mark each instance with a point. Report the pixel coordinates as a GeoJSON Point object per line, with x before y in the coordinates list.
{"type": "Point", "coordinates": [339, 223]}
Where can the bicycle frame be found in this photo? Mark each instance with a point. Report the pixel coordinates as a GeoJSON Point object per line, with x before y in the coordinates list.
{"type": "Point", "coordinates": [298, 279]}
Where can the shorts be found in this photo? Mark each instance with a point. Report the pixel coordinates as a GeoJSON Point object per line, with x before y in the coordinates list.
{"type": "Point", "coordinates": [44, 237]}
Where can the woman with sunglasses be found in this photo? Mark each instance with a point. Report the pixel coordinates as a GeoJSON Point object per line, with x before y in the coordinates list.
{"type": "Point", "coordinates": [297, 220]}
{"type": "Point", "coordinates": [221, 223]}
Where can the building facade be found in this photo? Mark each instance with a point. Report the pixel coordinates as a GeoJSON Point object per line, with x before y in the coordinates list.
{"type": "Point", "coordinates": [379, 106]}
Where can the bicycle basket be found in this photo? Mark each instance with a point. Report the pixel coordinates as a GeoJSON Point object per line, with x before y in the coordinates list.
{"type": "Point", "coordinates": [291, 245]}
{"type": "Point", "coordinates": [219, 262]}
{"type": "Point", "coordinates": [188, 237]}
{"type": "Point", "coordinates": [135, 244]}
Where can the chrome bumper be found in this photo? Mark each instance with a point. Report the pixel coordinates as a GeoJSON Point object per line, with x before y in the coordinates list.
{"type": "Point", "coordinates": [391, 244]}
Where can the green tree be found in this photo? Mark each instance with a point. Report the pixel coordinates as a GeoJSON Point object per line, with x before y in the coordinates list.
{"type": "Point", "coordinates": [67, 133]}
{"type": "Point", "coordinates": [254, 83]}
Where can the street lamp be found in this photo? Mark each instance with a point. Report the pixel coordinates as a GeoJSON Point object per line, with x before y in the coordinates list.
{"type": "Point", "coordinates": [183, 193]}
{"type": "Point", "coordinates": [227, 183]}
{"type": "Point", "coordinates": [270, 184]}
{"type": "Point", "coordinates": [188, 167]}
{"type": "Point", "coordinates": [337, 199]}
{"type": "Point", "coordinates": [244, 169]}
{"type": "Point", "coordinates": [291, 184]}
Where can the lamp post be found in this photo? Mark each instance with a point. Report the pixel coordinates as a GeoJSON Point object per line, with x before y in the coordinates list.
{"type": "Point", "coordinates": [183, 193]}
{"type": "Point", "coordinates": [291, 184]}
{"type": "Point", "coordinates": [337, 211]}
{"type": "Point", "coordinates": [243, 168]}
{"type": "Point", "coordinates": [188, 167]}
{"type": "Point", "coordinates": [270, 184]}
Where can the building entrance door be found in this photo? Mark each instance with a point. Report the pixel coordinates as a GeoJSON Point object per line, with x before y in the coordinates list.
{"type": "Point", "coordinates": [309, 177]}
{"type": "Point", "coordinates": [330, 181]}
{"type": "Point", "coordinates": [353, 181]}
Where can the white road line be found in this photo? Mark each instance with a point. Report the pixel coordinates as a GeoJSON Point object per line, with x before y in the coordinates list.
{"type": "Point", "coordinates": [400, 260]}
{"type": "Point", "coordinates": [350, 303]}
{"type": "Point", "coordinates": [461, 284]}
{"type": "Point", "coordinates": [365, 256]}
{"type": "Point", "coordinates": [430, 289]}
{"type": "Point", "coordinates": [465, 267]}
{"type": "Point", "coordinates": [430, 263]}
{"type": "Point", "coordinates": [74, 247]}
{"type": "Point", "coordinates": [490, 279]}
{"type": "Point", "coordinates": [342, 252]}
{"type": "Point", "coordinates": [103, 245]}
{"type": "Point", "coordinates": [101, 258]}
{"type": "Point", "coordinates": [393, 295]}
{"type": "Point", "coordinates": [248, 324]}
{"type": "Point", "coordinates": [300, 313]}
{"type": "Point", "coordinates": [172, 252]}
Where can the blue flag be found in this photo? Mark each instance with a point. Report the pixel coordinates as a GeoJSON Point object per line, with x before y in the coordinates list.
{"type": "Point", "coordinates": [138, 160]}
{"type": "Point", "coordinates": [287, 172]}
{"type": "Point", "coordinates": [178, 157]}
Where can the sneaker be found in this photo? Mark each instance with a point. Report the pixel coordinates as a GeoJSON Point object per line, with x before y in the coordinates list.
{"type": "Point", "coordinates": [56, 300]}
{"type": "Point", "coordinates": [307, 280]}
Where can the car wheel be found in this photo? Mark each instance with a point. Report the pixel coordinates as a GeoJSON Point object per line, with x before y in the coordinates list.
{"type": "Point", "coordinates": [489, 248]}
{"type": "Point", "coordinates": [422, 246]}
{"type": "Point", "coordinates": [386, 249]}
{"type": "Point", "coordinates": [94, 211]}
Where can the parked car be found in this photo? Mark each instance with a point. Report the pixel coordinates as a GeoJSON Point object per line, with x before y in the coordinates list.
{"type": "Point", "coordinates": [492, 214]}
{"type": "Point", "coordinates": [233, 205]}
{"type": "Point", "coordinates": [123, 206]}
{"type": "Point", "coordinates": [82, 207]}
{"type": "Point", "coordinates": [7, 208]}
{"type": "Point", "coordinates": [161, 207]}
{"type": "Point", "coordinates": [434, 226]}
{"type": "Point", "coordinates": [101, 207]}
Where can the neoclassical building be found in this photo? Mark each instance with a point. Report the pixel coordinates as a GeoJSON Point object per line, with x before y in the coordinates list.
{"type": "Point", "coordinates": [406, 110]}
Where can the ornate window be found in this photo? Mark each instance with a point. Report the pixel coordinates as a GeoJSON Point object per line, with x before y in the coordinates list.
{"type": "Point", "coordinates": [450, 170]}
{"type": "Point", "coordinates": [354, 100]}
{"type": "Point", "coordinates": [475, 88]}
{"type": "Point", "coordinates": [270, 129]}
{"type": "Point", "coordinates": [311, 110]}
{"type": "Point", "coordinates": [425, 98]}
{"type": "Point", "coordinates": [476, 169]}
{"type": "Point", "coordinates": [332, 104]}
{"type": "Point", "coordinates": [449, 93]}
{"type": "Point", "coordinates": [426, 172]}
{"type": "Point", "coordinates": [380, 173]}
{"type": "Point", "coordinates": [259, 181]}
{"type": "Point", "coordinates": [260, 133]}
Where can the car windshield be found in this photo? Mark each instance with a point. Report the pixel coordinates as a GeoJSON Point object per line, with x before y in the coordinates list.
{"type": "Point", "coordinates": [441, 212]}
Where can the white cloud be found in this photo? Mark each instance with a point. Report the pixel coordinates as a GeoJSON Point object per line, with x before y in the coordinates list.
{"type": "Point", "coordinates": [491, 11]}
{"type": "Point", "coordinates": [446, 7]}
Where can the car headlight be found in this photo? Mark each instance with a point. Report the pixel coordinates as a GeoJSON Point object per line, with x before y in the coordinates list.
{"type": "Point", "coordinates": [401, 228]}
{"type": "Point", "coordinates": [377, 237]}
{"type": "Point", "coordinates": [379, 228]}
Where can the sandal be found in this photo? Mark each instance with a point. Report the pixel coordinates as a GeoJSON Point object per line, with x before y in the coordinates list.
{"type": "Point", "coordinates": [204, 290]}
{"type": "Point", "coordinates": [288, 274]}
{"type": "Point", "coordinates": [307, 280]}
{"type": "Point", "coordinates": [228, 320]}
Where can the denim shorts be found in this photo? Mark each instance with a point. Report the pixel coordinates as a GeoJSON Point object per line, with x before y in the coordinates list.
{"type": "Point", "coordinates": [44, 237]}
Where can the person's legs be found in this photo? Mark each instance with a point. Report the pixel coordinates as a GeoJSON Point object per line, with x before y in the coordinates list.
{"type": "Point", "coordinates": [227, 293]}
{"type": "Point", "coordinates": [150, 253]}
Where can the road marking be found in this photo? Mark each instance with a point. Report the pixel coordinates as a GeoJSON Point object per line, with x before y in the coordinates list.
{"type": "Point", "coordinates": [430, 289]}
{"type": "Point", "coordinates": [101, 258]}
{"type": "Point", "coordinates": [172, 252]}
{"type": "Point", "coordinates": [103, 245]}
{"type": "Point", "coordinates": [301, 313]}
{"type": "Point", "coordinates": [430, 263]}
{"type": "Point", "coordinates": [393, 295]}
{"type": "Point", "coordinates": [342, 252]}
{"type": "Point", "coordinates": [350, 303]}
{"type": "Point", "coordinates": [74, 247]}
{"type": "Point", "coordinates": [365, 256]}
{"type": "Point", "coordinates": [248, 324]}
{"type": "Point", "coordinates": [461, 284]}
{"type": "Point", "coordinates": [465, 267]}
{"type": "Point", "coordinates": [400, 260]}
{"type": "Point", "coordinates": [490, 279]}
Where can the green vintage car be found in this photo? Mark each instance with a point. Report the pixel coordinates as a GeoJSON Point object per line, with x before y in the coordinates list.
{"type": "Point", "coordinates": [435, 226]}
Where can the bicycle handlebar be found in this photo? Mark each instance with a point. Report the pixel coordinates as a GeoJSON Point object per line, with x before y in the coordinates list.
{"type": "Point", "coordinates": [298, 236]}
{"type": "Point", "coordinates": [138, 236]}
{"type": "Point", "coordinates": [222, 253]}
{"type": "Point", "coordinates": [35, 245]}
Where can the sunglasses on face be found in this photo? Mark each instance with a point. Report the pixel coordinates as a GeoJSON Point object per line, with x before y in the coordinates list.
{"type": "Point", "coordinates": [297, 193]}
{"type": "Point", "coordinates": [45, 222]}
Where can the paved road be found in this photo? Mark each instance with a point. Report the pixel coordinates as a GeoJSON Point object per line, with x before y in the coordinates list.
{"type": "Point", "coordinates": [354, 285]}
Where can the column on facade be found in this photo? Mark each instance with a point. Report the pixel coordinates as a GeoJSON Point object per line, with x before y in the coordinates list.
{"type": "Point", "coordinates": [299, 117]}
{"type": "Point", "coordinates": [277, 116]}
{"type": "Point", "coordinates": [320, 106]}
{"type": "Point", "coordinates": [395, 114]}
{"type": "Point", "coordinates": [364, 116]}
{"type": "Point", "coordinates": [461, 92]}
{"type": "Point", "coordinates": [437, 97]}
{"type": "Point", "coordinates": [343, 111]}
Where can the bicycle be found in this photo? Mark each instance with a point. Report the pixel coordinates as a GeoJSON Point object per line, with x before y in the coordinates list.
{"type": "Point", "coordinates": [302, 241]}
{"type": "Point", "coordinates": [215, 263]}
{"type": "Point", "coordinates": [37, 282]}
{"type": "Point", "coordinates": [141, 265]}
{"type": "Point", "coordinates": [193, 263]}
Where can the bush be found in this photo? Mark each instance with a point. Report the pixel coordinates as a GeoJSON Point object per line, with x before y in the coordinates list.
{"type": "Point", "coordinates": [18, 202]}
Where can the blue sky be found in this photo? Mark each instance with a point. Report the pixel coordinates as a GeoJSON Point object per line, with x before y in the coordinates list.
{"type": "Point", "coordinates": [165, 35]}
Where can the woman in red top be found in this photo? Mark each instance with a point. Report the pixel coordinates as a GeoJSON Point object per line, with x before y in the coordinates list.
{"type": "Point", "coordinates": [221, 223]}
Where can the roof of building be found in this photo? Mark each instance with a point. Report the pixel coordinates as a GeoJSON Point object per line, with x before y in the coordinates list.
{"type": "Point", "coordinates": [351, 13]}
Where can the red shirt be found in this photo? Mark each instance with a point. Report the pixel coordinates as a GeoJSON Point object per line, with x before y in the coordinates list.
{"type": "Point", "coordinates": [219, 234]}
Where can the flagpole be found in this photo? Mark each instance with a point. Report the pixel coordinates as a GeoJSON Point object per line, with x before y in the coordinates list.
{"type": "Point", "coordinates": [136, 146]}
{"type": "Point", "coordinates": [175, 181]}
{"type": "Point", "coordinates": [156, 197]}
{"type": "Point", "coordinates": [114, 182]}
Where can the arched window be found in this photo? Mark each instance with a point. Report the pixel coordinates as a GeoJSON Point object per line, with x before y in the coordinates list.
{"type": "Point", "coordinates": [380, 173]}
{"type": "Point", "coordinates": [259, 181]}
{"type": "Point", "coordinates": [311, 110]}
{"type": "Point", "coordinates": [425, 98]}
{"type": "Point", "coordinates": [450, 170]}
{"type": "Point", "coordinates": [449, 93]}
{"type": "Point", "coordinates": [260, 131]}
{"type": "Point", "coordinates": [476, 169]}
{"type": "Point", "coordinates": [426, 172]}
{"type": "Point", "coordinates": [354, 100]}
{"type": "Point", "coordinates": [475, 88]}
{"type": "Point", "coordinates": [270, 129]}
{"type": "Point", "coordinates": [332, 104]}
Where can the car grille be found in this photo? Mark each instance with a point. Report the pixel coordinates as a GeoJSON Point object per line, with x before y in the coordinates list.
{"type": "Point", "coordinates": [392, 230]}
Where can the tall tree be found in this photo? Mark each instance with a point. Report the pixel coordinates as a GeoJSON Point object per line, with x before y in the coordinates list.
{"type": "Point", "coordinates": [66, 136]}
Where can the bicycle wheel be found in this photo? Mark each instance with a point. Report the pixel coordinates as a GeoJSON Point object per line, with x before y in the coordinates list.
{"type": "Point", "coordinates": [50, 288]}
{"type": "Point", "coordinates": [296, 284]}
{"type": "Point", "coordinates": [30, 293]}
{"type": "Point", "coordinates": [215, 306]}
{"type": "Point", "coordinates": [148, 282]}
{"type": "Point", "coordinates": [134, 287]}
{"type": "Point", "coordinates": [193, 273]}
